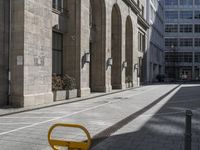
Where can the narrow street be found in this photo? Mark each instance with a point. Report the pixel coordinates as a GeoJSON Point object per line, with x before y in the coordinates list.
{"type": "Point", "coordinates": [146, 118]}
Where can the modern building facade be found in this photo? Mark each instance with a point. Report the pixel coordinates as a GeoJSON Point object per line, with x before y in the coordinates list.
{"type": "Point", "coordinates": [182, 42]}
{"type": "Point", "coordinates": [155, 47]}
{"type": "Point", "coordinates": [98, 42]}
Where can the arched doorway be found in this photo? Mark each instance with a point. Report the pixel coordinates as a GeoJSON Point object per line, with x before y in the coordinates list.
{"type": "Point", "coordinates": [116, 44]}
{"type": "Point", "coordinates": [129, 50]}
{"type": "Point", "coordinates": [97, 45]}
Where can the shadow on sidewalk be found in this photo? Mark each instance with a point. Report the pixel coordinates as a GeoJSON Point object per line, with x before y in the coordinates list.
{"type": "Point", "coordinates": [163, 131]}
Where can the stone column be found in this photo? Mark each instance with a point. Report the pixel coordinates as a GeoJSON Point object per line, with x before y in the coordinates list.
{"type": "Point", "coordinates": [16, 53]}
{"type": "Point", "coordinates": [77, 42]}
{"type": "Point", "coordinates": [123, 52]}
{"type": "Point", "coordinates": [4, 27]}
{"type": "Point", "coordinates": [135, 51]}
{"type": "Point", "coordinates": [84, 47]}
{"type": "Point", "coordinates": [31, 58]}
{"type": "Point", "coordinates": [108, 48]}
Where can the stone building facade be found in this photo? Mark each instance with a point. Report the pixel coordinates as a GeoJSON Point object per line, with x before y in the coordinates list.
{"type": "Point", "coordinates": [3, 53]}
{"type": "Point", "coordinates": [155, 51]}
{"type": "Point", "coordinates": [38, 38]}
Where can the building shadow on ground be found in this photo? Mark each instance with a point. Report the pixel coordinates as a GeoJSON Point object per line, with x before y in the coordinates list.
{"type": "Point", "coordinates": [163, 130]}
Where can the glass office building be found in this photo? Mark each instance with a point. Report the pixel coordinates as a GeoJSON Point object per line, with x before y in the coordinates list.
{"type": "Point", "coordinates": [182, 39]}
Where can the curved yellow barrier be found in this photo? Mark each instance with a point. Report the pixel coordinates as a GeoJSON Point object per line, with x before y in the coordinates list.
{"type": "Point", "coordinates": [70, 144]}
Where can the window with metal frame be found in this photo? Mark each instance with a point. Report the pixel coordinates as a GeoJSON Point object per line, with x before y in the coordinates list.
{"type": "Point", "coordinates": [197, 2]}
{"type": "Point", "coordinates": [197, 28]}
{"type": "Point", "coordinates": [186, 2]}
{"type": "Point", "coordinates": [197, 42]}
{"type": "Point", "coordinates": [197, 57]}
{"type": "Point", "coordinates": [57, 56]}
{"type": "Point", "coordinates": [186, 42]}
{"type": "Point", "coordinates": [197, 15]}
{"type": "Point", "coordinates": [171, 14]}
{"type": "Point", "coordinates": [186, 14]}
{"type": "Point", "coordinates": [171, 41]}
{"type": "Point", "coordinates": [171, 2]}
{"type": "Point", "coordinates": [57, 5]}
{"type": "Point", "coordinates": [171, 28]}
{"type": "Point", "coordinates": [141, 42]}
{"type": "Point", "coordinates": [186, 28]}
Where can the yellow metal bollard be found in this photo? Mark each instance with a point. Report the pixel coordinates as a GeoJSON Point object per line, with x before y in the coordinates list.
{"type": "Point", "coordinates": [72, 145]}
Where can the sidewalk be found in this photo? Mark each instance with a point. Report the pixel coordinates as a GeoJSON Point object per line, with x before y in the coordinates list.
{"type": "Point", "coordinates": [116, 112]}
{"type": "Point", "coordinates": [10, 110]}
{"type": "Point", "coordinates": [162, 127]}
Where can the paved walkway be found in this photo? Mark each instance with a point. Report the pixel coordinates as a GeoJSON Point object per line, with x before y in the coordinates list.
{"type": "Point", "coordinates": [10, 110]}
{"type": "Point", "coordinates": [147, 118]}
{"type": "Point", "coordinates": [162, 127]}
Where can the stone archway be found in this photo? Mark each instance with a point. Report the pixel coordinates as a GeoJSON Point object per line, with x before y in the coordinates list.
{"type": "Point", "coordinates": [97, 45]}
{"type": "Point", "coordinates": [129, 49]}
{"type": "Point", "coordinates": [116, 48]}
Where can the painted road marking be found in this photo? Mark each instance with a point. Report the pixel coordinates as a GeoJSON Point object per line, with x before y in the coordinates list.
{"type": "Point", "coordinates": [46, 112]}
{"type": "Point", "coordinates": [51, 120]}
{"type": "Point", "coordinates": [15, 123]}
{"type": "Point", "coordinates": [145, 92]}
{"type": "Point", "coordinates": [26, 117]}
{"type": "Point", "coordinates": [67, 115]}
{"type": "Point", "coordinates": [113, 101]}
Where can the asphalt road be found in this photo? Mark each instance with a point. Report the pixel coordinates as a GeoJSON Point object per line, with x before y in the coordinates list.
{"type": "Point", "coordinates": [146, 118]}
